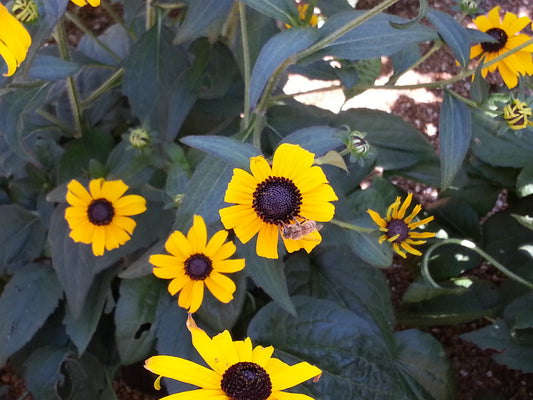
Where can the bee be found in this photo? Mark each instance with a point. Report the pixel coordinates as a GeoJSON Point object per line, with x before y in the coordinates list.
{"type": "Point", "coordinates": [298, 230]}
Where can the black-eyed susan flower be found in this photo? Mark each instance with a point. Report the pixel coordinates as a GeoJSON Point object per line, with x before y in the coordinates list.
{"type": "Point", "coordinates": [14, 40]}
{"type": "Point", "coordinates": [398, 229]}
{"type": "Point", "coordinates": [81, 3]}
{"type": "Point", "coordinates": [194, 263]}
{"type": "Point", "coordinates": [517, 114]}
{"type": "Point", "coordinates": [237, 370]}
{"type": "Point", "coordinates": [290, 192]}
{"type": "Point", "coordinates": [101, 216]}
{"type": "Point", "coordinates": [507, 37]}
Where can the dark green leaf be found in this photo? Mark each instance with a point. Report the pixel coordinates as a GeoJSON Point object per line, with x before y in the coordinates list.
{"type": "Point", "coordinates": [135, 316]}
{"type": "Point", "coordinates": [85, 378]}
{"type": "Point", "coordinates": [43, 372]}
{"type": "Point", "coordinates": [350, 351]}
{"type": "Point", "coordinates": [284, 10]}
{"type": "Point", "coordinates": [51, 68]}
{"type": "Point", "coordinates": [232, 151]}
{"type": "Point", "coordinates": [497, 336]}
{"type": "Point", "coordinates": [403, 59]}
{"type": "Point", "coordinates": [268, 274]}
{"type": "Point", "coordinates": [30, 296]}
{"type": "Point", "coordinates": [524, 182]}
{"type": "Point", "coordinates": [200, 14]}
{"type": "Point", "coordinates": [422, 11]}
{"type": "Point", "coordinates": [373, 38]}
{"type": "Point", "coordinates": [22, 235]}
{"type": "Point", "coordinates": [117, 40]}
{"type": "Point", "coordinates": [316, 139]}
{"type": "Point", "coordinates": [278, 49]}
{"type": "Point", "coordinates": [366, 246]}
{"type": "Point", "coordinates": [455, 131]}
{"type": "Point", "coordinates": [458, 217]}
{"type": "Point", "coordinates": [421, 360]}
{"type": "Point", "coordinates": [453, 33]}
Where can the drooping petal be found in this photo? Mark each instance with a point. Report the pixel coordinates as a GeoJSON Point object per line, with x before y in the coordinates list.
{"type": "Point", "coordinates": [293, 375]}
{"type": "Point", "coordinates": [184, 371]}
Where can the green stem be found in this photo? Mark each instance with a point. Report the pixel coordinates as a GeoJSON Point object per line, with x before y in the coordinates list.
{"type": "Point", "coordinates": [246, 63]}
{"type": "Point", "coordinates": [104, 87]}
{"type": "Point", "coordinates": [74, 19]}
{"type": "Point", "coordinates": [73, 94]}
{"type": "Point", "coordinates": [351, 227]}
{"type": "Point", "coordinates": [472, 246]}
{"type": "Point", "coordinates": [462, 98]}
{"type": "Point", "coordinates": [150, 14]}
{"type": "Point", "coordinates": [345, 29]}
{"type": "Point", "coordinates": [310, 11]}
{"type": "Point", "coordinates": [109, 9]}
{"type": "Point", "coordinates": [436, 47]}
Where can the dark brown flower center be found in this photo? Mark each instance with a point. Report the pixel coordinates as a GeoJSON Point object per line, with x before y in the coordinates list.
{"type": "Point", "coordinates": [100, 212]}
{"type": "Point", "coordinates": [500, 35]}
{"type": "Point", "coordinates": [198, 267]}
{"type": "Point", "coordinates": [397, 227]}
{"type": "Point", "coordinates": [246, 381]}
{"type": "Point", "coordinates": [277, 200]}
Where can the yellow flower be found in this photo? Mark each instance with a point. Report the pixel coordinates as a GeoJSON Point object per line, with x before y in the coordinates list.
{"type": "Point", "coordinates": [517, 115]}
{"type": "Point", "coordinates": [194, 262]}
{"type": "Point", "coordinates": [302, 10]}
{"type": "Point", "coordinates": [101, 216]}
{"type": "Point", "coordinates": [237, 370]}
{"type": "Point", "coordinates": [399, 230]}
{"type": "Point", "coordinates": [507, 36]}
{"type": "Point", "coordinates": [288, 193]}
{"type": "Point", "coordinates": [81, 3]}
{"type": "Point", "coordinates": [14, 41]}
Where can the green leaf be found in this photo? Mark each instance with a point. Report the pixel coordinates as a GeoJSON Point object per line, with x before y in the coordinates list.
{"type": "Point", "coordinates": [204, 194]}
{"type": "Point", "coordinates": [284, 10]}
{"type": "Point", "coordinates": [422, 361]}
{"type": "Point", "coordinates": [525, 220]}
{"type": "Point", "coordinates": [278, 49]}
{"type": "Point", "coordinates": [116, 39]}
{"type": "Point", "coordinates": [268, 274]}
{"type": "Point", "coordinates": [453, 33]}
{"type": "Point", "coordinates": [85, 378]}
{"type": "Point", "coordinates": [316, 139]}
{"type": "Point", "coordinates": [81, 329]}
{"type": "Point", "coordinates": [200, 14]}
{"type": "Point", "coordinates": [232, 151]}
{"type": "Point", "coordinates": [43, 372]}
{"type": "Point", "coordinates": [367, 246]}
{"type": "Point", "coordinates": [373, 38]}
{"type": "Point", "coordinates": [350, 351]}
{"type": "Point", "coordinates": [22, 235]}
{"type": "Point", "coordinates": [30, 296]}
{"type": "Point", "coordinates": [505, 150]}
{"type": "Point", "coordinates": [135, 316]}
{"type": "Point", "coordinates": [50, 68]}
{"type": "Point", "coordinates": [497, 336]}
{"type": "Point", "coordinates": [362, 288]}
{"type": "Point", "coordinates": [403, 59]}
{"type": "Point", "coordinates": [398, 144]}
{"type": "Point", "coordinates": [157, 82]}
{"type": "Point", "coordinates": [455, 131]}
{"type": "Point", "coordinates": [524, 181]}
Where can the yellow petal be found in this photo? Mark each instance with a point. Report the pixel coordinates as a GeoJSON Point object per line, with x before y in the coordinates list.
{"type": "Point", "coordinates": [95, 187]}
{"type": "Point", "coordinates": [310, 179]}
{"type": "Point", "coordinates": [215, 243]}
{"type": "Point", "coordinates": [242, 219]}
{"type": "Point", "coordinates": [185, 297]}
{"type": "Point", "coordinates": [178, 245]}
{"type": "Point", "coordinates": [167, 262]}
{"type": "Point", "coordinates": [260, 168]}
{"type": "Point", "coordinates": [261, 355]}
{"type": "Point", "coordinates": [113, 190]}
{"type": "Point", "coordinates": [405, 205]}
{"type": "Point", "coordinates": [511, 24]}
{"type": "Point", "coordinates": [125, 223]}
{"type": "Point", "coordinates": [229, 266]}
{"type": "Point", "coordinates": [244, 349]}
{"type": "Point", "coordinates": [321, 212]}
{"type": "Point", "coordinates": [291, 160]}
{"type": "Point", "coordinates": [206, 348]}
{"type": "Point", "coordinates": [77, 195]}
{"type": "Point", "coordinates": [226, 251]}
{"type": "Point", "coordinates": [184, 371]}
{"type": "Point", "coordinates": [220, 293]}
{"type": "Point", "coordinates": [178, 283]}
{"type": "Point", "coordinates": [198, 394]}
{"type": "Point", "coordinates": [377, 218]}
{"type": "Point", "coordinates": [223, 282]}
{"type": "Point", "coordinates": [197, 235]}
{"type": "Point", "coordinates": [494, 16]}
{"type": "Point", "coordinates": [197, 296]}
{"type": "Point", "coordinates": [130, 205]}
{"type": "Point", "coordinates": [267, 241]}
{"type": "Point", "coordinates": [410, 249]}
{"type": "Point", "coordinates": [293, 375]}
{"type": "Point", "coordinates": [98, 241]}
{"type": "Point", "coordinates": [290, 396]}
{"type": "Point", "coordinates": [397, 249]}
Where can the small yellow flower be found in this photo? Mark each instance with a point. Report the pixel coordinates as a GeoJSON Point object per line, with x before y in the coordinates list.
{"type": "Point", "coordinates": [194, 263]}
{"type": "Point", "coordinates": [237, 370]}
{"type": "Point", "coordinates": [81, 3]}
{"type": "Point", "coordinates": [289, 192]}
{"type": "Point", "coordinates": [302, 10]}
{"type": "Point", "coordinates": [517, 115]}
{"type": "Point", "coordinates": [101, 217]}
{"type": "Point", "coordinates": [399, 229]}
{"type": "Point", "coordinates": [506, 33]}
{"type": "Point", "coordinates": [14, 41]}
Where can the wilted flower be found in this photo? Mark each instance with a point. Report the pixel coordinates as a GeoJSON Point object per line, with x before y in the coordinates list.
{"type": "Point", "coordinates": [517, 115]}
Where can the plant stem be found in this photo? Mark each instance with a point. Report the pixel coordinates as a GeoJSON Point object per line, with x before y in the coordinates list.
{"type": "Point", "coordinates": [74, 19]}
{"type": "Point", "coordinates": [472, 246]}
{"type": "Point", "coordinates": [351, 227]}
{"type": "Point", "coordinates": [104, 87]}
{"type": "Point", "coordinates": [73, 94]}
{"type": "Point", "coordinates": [246, 63]}
{"type": "Point", "coordinates": [150, 14]}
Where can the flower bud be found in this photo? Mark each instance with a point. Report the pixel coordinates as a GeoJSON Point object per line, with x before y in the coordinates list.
{"type": "Point", "coordinates": [25, 11]}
